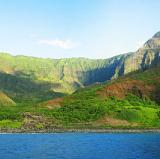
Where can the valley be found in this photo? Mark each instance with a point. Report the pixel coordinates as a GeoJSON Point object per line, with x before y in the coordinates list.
{"type": "Point", "coordinates": [78, 93]}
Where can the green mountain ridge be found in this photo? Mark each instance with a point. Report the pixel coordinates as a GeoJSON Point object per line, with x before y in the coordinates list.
{"type": "Point", "coordinates": [67, 74]}
{"type": "Point", "coordinates": [131, 101]}
{"type": "Point", "coordinates": [120, 92]}
{"type": "Point", "coordinates": [64, 76]}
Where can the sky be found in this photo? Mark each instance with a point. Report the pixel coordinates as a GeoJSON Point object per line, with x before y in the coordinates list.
{"type": "Point", "coordinates": [76, 28]}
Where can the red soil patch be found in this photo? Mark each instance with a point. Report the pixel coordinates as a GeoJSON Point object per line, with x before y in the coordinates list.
{"type": "Point", "coordinates": [122, 88]}
{"type": "Point", "coordinates": [54, 103]}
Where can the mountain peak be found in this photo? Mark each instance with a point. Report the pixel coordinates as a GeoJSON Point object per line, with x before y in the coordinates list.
{"type": "Point", "coordinates": [154, 42]}
{"type": "Point", "coordinates": [157, 35]}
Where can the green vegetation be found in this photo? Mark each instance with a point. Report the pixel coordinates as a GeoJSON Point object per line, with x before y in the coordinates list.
{"type": "Point", "coordinates": [39, 126]}
{"type": "Point", "coordinates": [29, 85]}
{"type": "Point", "coordinates": [10, 124]}
{"type": "Point", "coordinates": [21, 74]}
{"type": "Point", "coordinates": [5, 100]}
{"type": "Point", "coordinates": [84, 108]}
{"type": "Point", "coordinates": [88, 108]}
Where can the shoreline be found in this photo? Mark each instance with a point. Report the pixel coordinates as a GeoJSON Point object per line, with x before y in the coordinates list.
{"type": "Point", "coordinates": [20, 131]}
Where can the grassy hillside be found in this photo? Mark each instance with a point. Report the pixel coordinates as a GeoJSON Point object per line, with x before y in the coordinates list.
{"type": "Point", "coordinates": [5, 100]}
{"type": "Point", "coordinates": [131, 101]}
{"type": "Point", "coordinates": [24, 90]}
{"type": "Point", "coordinates": [128, 99]}
{"type": "Point", "coordinates": [64, 75]}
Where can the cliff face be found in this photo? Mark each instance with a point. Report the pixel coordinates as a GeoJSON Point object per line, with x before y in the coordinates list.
{"type": "Point", "coordinates": [67, 75]}
{"type": "Point", "coordinates": [63, 75]}
{"type": "Point", "coordinates": [145, 57]}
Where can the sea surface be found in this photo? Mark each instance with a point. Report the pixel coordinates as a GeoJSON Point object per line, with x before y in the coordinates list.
{"type": "Point", "coordinates": [80, 146]}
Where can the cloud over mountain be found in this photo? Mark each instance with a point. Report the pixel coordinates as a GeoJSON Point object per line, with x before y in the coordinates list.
{"type": "Point", "coordinates": [65, 44]}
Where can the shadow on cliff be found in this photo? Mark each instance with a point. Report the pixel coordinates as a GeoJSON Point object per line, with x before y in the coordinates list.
{"type": "Point", "coordinates": [102, 74]}
{"type": "Point", "coordinates": [23, 89]}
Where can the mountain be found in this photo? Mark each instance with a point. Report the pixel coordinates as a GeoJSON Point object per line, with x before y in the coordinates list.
{"type": "Point", "coordinates": [145, 57]}
{"type": "Point", "coordinates": [25, 90]}
{"type": "Point", "coordinates": [120, 92]}
{"type": "Point", "coordinates": [65, 75]}
{"type": "Point", "coordinates": [131, 101]}
{"type": "Point", "coordinates": [55, 77]}
{"type": "Point", "coordinates": [143, 84]}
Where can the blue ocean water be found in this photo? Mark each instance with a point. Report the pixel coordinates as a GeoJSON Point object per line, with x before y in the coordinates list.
{"type": "Point", "coordinates": [80, 146]}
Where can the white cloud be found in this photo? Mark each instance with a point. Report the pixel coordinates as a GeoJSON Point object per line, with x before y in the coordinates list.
{"type": "Point", "coordinates": [65, 44]}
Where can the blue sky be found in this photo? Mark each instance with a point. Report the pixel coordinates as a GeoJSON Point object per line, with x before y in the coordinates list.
{"type": "Point", "coordinates": [76, 28]}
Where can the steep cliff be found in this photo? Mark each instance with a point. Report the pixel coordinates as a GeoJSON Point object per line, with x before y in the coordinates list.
{"type": "Point", "coordinates": [145, 57]}
{"type": "Point", "coordinates": [30, 74]}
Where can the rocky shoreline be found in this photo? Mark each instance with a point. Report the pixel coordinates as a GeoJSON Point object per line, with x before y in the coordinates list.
{"type": "Point", "coordinates": [4, 130]}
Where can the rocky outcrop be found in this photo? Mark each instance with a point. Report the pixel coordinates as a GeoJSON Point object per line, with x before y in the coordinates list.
{"type": "Point", "coordinates": [145, 57]}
